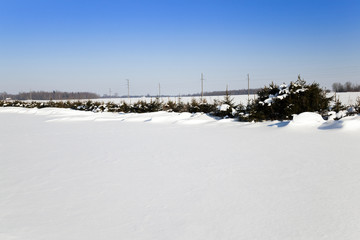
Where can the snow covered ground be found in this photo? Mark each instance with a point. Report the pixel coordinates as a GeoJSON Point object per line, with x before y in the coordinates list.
{"type": "Point", "coordinates": [347, 98]}
{"type": "Point", "coordinates": [75, 175]}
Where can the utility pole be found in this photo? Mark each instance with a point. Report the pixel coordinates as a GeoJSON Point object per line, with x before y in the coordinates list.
{"type": "Point", "coordinates": [202, 85]}
{"type": "Point", "coordinates": [128, 86]}
{"type": "Point", "coordinates": [248, 88]}
{"type": "Point", "coordinates": [159, 91]}
{"type": "Point", "coordinates": [109, 92]}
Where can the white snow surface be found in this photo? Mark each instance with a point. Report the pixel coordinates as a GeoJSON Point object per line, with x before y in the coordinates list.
{"type": "Point", "coordinates": [307, 118]}
{"type": "Point", "coordinates": [74, 175]}
{"type": "Point", "coordinates": [224, 107]}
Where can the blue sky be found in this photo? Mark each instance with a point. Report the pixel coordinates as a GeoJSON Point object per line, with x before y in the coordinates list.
{"type": "Point", "coordinates": [72, 45]}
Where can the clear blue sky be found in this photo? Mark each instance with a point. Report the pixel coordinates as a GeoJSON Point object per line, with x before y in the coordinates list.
{"type": "Point", "coordinates": [88, 45]}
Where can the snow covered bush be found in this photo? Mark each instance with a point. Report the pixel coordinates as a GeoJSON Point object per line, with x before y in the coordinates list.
{"type": "Point", "coordinates": [206, 107]}
{"type": "Point", "coordinates": [142, 106]}
{"type": "Point", "coordinates": [169, 106]}
{"type": "Point", "coordinates": [154, 106]}
{"type": "Point", "coordinates": [193, 106]}
{"type": "Point", "coordinates": [281, 102]}
{"type": "Point", "coordinates": [357, 105]}
{"type": "Point", "coordinates": [337, 106]}
{"type": "Point", "coordinates": [200, 105]}
{"type": "Point", "coordinates": [339, 110]}
{"type": "Point", "coordinates": [180, 106]}
{"type": "Point", "coordinates": [226, 108]}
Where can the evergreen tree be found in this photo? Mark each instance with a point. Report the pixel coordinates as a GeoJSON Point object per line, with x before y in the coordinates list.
{"type": "Point", "coordinates": [281, 102]}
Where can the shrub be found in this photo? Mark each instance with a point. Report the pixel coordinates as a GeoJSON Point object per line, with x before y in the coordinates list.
{"type": "Point", "coordinates": [112, 107]}
{"type": "Point", "coordinates": [206, 107]}
{"type": "Point", "coordinates": [154, 106]}
{"type": "Point", "coordinates": [226, 107]}
{"type": "Point", "coordinates": [281, 102]}
{"type": "Point", "coordinates": [337, 106]}
{"type": "Point", "coordinates": [194, 107]}
{"type": "Point", "coordinates": [357, 105]}
{"type": "Point", "coordinates": [170, 106]}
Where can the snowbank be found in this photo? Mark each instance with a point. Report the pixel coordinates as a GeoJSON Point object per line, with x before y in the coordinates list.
{"type": "Point", "coordinates": [350, 123]}
{"type": "Point", "coordinates": [307, 119]}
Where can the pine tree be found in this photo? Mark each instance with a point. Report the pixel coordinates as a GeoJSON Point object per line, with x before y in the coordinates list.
{"type": "Point", "coordinates": [282, 102]}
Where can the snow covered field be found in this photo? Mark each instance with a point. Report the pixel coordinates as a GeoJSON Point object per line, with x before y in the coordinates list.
{"type": "Point", "coordinates": [76, 175]}
{"type": "Point", "coordinates": [347, 98]}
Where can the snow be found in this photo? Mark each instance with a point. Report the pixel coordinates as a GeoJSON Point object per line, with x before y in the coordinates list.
{"type": "Point", "coordinates": [337, 115]}
{"type": "Point", "coordinates": [224, 107]}
{"type": "Point", "coordinates": [68, 174]}
{"type": "Point", "coordinates": [307, 118]}
{"type": "Point", "coordinates": [346, 98]}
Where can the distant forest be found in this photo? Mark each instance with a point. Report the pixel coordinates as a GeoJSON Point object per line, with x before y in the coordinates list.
{"type": "Point", "coordinates": [54, 95]}
{"type": "Point", "coordinates": [347, 87]}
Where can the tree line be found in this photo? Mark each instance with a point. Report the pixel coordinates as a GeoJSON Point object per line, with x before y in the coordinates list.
{"type": "Point", "coordinates": [274, 102]}
{"type": "Point", "coordinates": [347, 87]}
{"type": "Point", "coordinates": [54, 95]}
